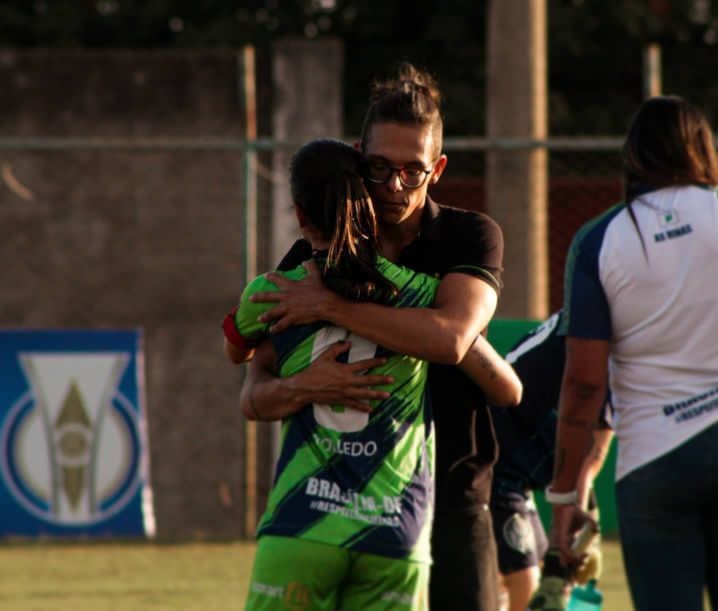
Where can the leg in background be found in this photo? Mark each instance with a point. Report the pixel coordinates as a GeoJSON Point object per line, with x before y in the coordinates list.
{"type": "Point", "coordinates": [521, 585]}
{"type": "Point", "coordinates": [521, 542]}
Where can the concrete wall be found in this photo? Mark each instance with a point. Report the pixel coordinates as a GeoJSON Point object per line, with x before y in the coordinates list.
{"type": "Point", "coordinates": [136, 239]}
{"type": "Point", "coordinates": [307, 79]}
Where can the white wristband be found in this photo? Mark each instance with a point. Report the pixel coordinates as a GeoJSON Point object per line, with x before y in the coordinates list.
{"type": "Point", "coordinates": [560, 498]}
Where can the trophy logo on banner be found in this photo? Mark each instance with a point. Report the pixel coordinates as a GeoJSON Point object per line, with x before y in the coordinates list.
{"type": "Point", "coordinates": [72, 449]}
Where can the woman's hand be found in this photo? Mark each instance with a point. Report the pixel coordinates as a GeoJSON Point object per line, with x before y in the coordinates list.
{"type": "Point", "coordinates": [567, 520]}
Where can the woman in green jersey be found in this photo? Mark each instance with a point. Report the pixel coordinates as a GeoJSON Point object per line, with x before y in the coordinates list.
{"type": "Point", "coordinates": [348, 519]}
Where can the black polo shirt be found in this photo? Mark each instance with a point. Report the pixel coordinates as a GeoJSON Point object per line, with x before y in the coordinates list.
{"type": "Point", "coordinates": [453, 240]}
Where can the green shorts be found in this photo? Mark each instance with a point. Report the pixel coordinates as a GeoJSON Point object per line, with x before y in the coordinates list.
{"type": "Point", "coordinates": [295, 575]}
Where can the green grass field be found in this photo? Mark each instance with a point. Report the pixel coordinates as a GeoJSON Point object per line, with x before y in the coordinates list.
{"type": "Point", "coordinates": [154, 577]}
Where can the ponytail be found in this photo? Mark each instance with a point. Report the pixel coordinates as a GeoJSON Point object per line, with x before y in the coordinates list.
{"type": "Point", "coordinates": [327, 186]}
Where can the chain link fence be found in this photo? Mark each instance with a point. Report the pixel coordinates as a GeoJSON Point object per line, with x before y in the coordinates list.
{"type": "Point", "coordinates": [584, 179]}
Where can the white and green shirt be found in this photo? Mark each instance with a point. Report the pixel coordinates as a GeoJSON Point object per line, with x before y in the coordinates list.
{"type": "Point", "coordinates": [654, 297]}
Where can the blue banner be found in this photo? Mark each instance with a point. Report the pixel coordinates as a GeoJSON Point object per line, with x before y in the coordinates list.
{"type": "Point", "coordinates": [73, 443]}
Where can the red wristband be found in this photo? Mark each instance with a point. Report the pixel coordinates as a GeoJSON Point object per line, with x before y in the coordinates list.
{"type": "Point", "coordinates": [233, 336]}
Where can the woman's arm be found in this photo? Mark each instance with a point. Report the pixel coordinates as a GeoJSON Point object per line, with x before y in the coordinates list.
{"type": "Point", "coordinates": [493, 374]}
{"type": "Point", "coordinates": [583, 392]}
{"type": "Point", "coordinates": [463, 307]}
{"type": "Point", "coordinates": [238, 348]}
{"type": "Point", "coordinates": [237, 354]}
{"type": "Point", "coordinates": [265, 396]}
{"type": "Point", "coordinates": [593, 464]}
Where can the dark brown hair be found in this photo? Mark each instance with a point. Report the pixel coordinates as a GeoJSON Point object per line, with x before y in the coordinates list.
{"type": "Point", "coordinates": [327, 187]}
{"type": "Point", "coordinates": [669, 143]}
{"type": "Point", "coordinates": [412, 98]}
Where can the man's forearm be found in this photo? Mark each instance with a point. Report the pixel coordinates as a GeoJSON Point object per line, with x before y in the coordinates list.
{"type": "Point", "coordinates": [492, 373]}
{"type": "Point", "coordinates": [420, 332]}
{"type": "Point", "coordinates": [443, 334]}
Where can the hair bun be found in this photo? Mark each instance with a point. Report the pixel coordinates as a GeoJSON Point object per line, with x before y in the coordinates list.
{"type": "Point", "coordinates": [410, 80]}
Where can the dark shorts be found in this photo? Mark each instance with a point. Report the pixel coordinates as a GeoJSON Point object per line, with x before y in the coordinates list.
{"type": "Point", "coordinates": [520, 536]}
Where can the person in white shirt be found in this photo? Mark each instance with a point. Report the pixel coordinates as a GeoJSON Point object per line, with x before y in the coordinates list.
{"type": "Point", "coordinates": [641, 305]}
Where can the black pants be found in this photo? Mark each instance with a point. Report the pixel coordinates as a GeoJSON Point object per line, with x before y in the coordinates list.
{"type": "Point", "coordinates": [668, 518]}
{"type": "Point", "coordinates": [464, 576]}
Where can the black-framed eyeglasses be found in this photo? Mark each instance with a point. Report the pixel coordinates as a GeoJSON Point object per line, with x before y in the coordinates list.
{"type": "Point", "coordinates": [379, 171]}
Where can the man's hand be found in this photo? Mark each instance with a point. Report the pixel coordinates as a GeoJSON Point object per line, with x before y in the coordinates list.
{"type": "Point", "coordinates": [298, 301]}
{"type": "Point", "coordinates": [329, 382]}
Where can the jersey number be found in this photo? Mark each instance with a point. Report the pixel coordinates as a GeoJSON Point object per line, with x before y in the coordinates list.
{"type": "Point", "coordinates": [338, 418]}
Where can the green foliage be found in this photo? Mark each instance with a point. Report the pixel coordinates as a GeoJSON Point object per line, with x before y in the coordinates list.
{"type": "Point", "coordinates": [596, 58]}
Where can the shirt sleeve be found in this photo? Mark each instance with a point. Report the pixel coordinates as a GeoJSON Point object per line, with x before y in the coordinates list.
{"type": "Point", "coordinates": [538, 359]}
{"type": "Point", "coordinates": [247, 312]}
{"type": "Point", "coordinates": [477, 247]}
{"type": "Point", "coordinates": [586, 311]}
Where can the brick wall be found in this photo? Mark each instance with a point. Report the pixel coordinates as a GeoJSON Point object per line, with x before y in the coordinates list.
{"type": "Point", "coordinates": [573, 200]}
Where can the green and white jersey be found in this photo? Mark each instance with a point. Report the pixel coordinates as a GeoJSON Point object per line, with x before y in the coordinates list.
{"type": "Point", "coordinates": [356, 480]}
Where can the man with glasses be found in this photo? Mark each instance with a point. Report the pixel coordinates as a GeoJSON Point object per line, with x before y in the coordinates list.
{"type": "Point", "coordinates": [411, 176]}
{"type": "Point", "coordinates": [401, 142]}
